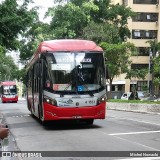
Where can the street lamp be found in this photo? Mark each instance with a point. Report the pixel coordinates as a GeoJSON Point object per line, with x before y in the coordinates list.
{"type": "Point", "coordinates": [149, 68]}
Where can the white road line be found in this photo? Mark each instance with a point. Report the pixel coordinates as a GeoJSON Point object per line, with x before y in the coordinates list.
{"type": "Point", "coordinates": [150, 148]}
{"type": "Point", "coordinates": [142, 158]}
{"type": "Point", "coordinates": [139, 144]}
{"type": "Point", "coordinates": [144, 132]}
{"type": "Point", "coordinates": [137, 121]}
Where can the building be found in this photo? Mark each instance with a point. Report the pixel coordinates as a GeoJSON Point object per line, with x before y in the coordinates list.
{"type": "Point", "coordinates": [143, 27]}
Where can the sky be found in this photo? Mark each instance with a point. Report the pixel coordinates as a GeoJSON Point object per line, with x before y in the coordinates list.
{"type": "Point", "coordinates": [44, 5]}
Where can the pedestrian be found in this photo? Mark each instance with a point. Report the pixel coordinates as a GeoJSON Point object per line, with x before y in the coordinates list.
{"type": "Point", "coordinates": [4, 131]}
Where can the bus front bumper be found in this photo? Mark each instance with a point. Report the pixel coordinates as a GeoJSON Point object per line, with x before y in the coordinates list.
{"type": "Point", "coordinates": [85, 112]}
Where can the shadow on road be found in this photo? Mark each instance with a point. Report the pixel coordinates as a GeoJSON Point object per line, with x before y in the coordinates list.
{"type": "Point", "coordinates": [68, 124]}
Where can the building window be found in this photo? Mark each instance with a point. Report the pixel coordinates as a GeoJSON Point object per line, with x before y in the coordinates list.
{"type": "Point", "coordinates": [119, 87]}
{"type": "Point", "coordinates": [145, 2]}
{"type": "Point", "coordinates": [144, 34]}
{"type": "Point", "coordinates": [139, 66]}
{"type": "Point", "coordinates": [143, 51]}
{"type": "Point", "coordinates": [125, 2]}
{"type": "Point", "coordinates": [136, 34]}
{"type": "Point", "coordinates": [145, 17]}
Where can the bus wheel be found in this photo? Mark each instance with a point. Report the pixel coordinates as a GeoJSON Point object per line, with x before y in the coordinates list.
{"type": "Point", "coordinates": [45, 123]}
{"type": "Point", "coordinates": [89, 121]}
{"type": "Point", "coordinates": [31, 112]}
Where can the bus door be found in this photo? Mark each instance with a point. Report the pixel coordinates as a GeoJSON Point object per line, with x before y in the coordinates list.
{"type": "Point", "coordinates": [35, 89]}
{"type": "Point", "coordinates": [40, 88]}
{"type": "Point", "coordinates": [30, 83]}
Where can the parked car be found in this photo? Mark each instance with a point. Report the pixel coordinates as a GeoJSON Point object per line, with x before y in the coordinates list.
{"type": "Point", "coordinates": [127, 95]}
{"type": "Point", "coordinates": [149, 98]}
{"type": "Point", "coordinates": [157, 100]}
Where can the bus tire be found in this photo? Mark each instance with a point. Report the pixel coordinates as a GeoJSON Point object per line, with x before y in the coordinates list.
{"type": "Point", "coordinates": [45, 123]}
{"type": "Point", "coordinates": [32, 112]}
{"type": "Point", "coordinates": [89, 121]}
{"type": "Point", "coordinates": [40, 116]}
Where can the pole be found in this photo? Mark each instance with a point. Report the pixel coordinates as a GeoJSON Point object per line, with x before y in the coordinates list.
{"type": "Point", "coordinates": [149, 70]}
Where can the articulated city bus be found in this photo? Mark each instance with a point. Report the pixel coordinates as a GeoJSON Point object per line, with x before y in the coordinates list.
{"type": "Point", "coordinates": [8, 91]}
{"type": "Point", "coordinates": [66, 80]}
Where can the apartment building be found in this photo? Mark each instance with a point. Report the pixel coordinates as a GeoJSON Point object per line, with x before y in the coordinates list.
{"type": "Point", "coordinates": [143, 27]}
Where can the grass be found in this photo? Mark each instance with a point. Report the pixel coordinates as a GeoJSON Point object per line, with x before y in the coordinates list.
{"type": "Point", "coordinates": [132, 101]}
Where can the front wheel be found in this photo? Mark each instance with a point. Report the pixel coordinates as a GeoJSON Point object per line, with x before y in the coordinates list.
{"type": "Point", "coordinates": [89, 121]}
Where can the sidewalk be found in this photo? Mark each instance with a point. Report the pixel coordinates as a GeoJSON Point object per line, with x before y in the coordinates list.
{"type": "Point", "coordinates": [8, 144]}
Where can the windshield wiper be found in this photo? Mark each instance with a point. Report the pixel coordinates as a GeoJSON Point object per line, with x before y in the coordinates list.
{"type": "Point", "coordinates": [83, 84]}
{"type": "Point", "coordinates": [79, 79]}
{"type": "Point", "coordinates": [70, 83]}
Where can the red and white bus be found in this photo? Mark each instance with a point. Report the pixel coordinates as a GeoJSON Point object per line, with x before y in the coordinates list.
{"type": "Point", "coordinates": [8, 91]}
{"type": "Point", "coordinates": [66, 80]}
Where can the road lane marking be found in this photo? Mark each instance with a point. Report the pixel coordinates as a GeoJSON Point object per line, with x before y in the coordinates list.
{"type": "Point", "coordinates": [142, 145]}
{"type": "Point", "coordinates": [139, 144]}
{"type": "Point", "coordinates": [129, 133]}
{"type": "Point", "coordinates": [142, 158]}
{"type": "Point", "coordinates": [137, 121]}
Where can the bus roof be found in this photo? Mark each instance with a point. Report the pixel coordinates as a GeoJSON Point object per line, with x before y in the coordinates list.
{"type": "Point", "coordinates": [69, 45]}
{"type": "Point", "coordinates": [8, 83]}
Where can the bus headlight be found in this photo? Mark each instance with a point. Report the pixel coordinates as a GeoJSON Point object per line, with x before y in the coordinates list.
{"type": "Point", "coordinates": [50, 101]}
{"type": "Point", "coordinates": [101, 99]}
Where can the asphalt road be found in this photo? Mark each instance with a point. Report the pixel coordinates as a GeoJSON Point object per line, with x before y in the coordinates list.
{"type": "Point", "coordinates": [120, 134]}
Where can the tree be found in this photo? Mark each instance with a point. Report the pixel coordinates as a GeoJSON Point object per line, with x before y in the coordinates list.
{"type": "Point", "coordinates": [155, 61]}
{"type": "Point", "coordinates": [106, 33]}
{"type": "Point", "coordinates": [8, 68]}
{"type": "Point", "coordinates": [70, 19]}
{"type": "Point", "coordinates": [14, 20]}
{"type": "Point", "coordinates": [118, 15]}
{"type": "Point", "coordinates": [117, 56]}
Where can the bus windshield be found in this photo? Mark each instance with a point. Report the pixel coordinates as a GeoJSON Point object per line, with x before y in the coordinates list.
{"type": "Point", "coordinates": [76, 72]}
{"type": "Point", "coordinates": [9, 90]}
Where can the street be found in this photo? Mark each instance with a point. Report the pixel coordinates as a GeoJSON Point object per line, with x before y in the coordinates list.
{"type": "Point", "coordinates": [120, 131]}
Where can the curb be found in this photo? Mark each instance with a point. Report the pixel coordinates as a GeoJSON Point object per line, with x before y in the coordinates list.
{"type": "Point", "coordinates": [133, 107]}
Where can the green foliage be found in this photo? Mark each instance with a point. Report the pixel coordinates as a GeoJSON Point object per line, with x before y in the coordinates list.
{"type": "Point", "coordinates": [136, 73]}
{"type": "Point", "coordinates": [155, 47]}
{"type": "Point", "coordinates": [117, 57]}
{"type": "Point", "coordinates": [21, 75]}
{"type": "Point", "coordinates": [8, 68]}
{"type": "Point", "coordinates": [118, 15]}
{"type": "Point", "coordinates": [133, 101]}
{"type": "Point", "coordinates": [106, 33]}
{"type": "Point", "coordinates": [156, 70]}
{"type": "Point", "coordinates": [32, 38]}
{"type": "Point", "coordinates": [14, 20]}
{"type": "Point", "coordinates": [69, 20]}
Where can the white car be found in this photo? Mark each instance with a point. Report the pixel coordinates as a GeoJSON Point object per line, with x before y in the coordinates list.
{"type": "Point", "coordinates": [126, 96]}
